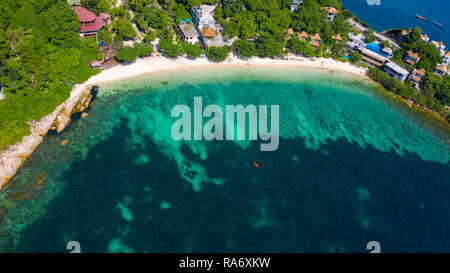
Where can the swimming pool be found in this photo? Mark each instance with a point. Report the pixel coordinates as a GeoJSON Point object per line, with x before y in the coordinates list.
{"type": "Point", "coordinates": [377, 49]}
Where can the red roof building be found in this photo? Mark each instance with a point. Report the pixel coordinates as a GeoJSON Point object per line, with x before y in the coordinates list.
{"type": "Point", "coordinates": [90, 23]}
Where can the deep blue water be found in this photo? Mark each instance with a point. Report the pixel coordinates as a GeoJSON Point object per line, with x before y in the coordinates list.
{"type": "Point", "coordinates": [402, 13]}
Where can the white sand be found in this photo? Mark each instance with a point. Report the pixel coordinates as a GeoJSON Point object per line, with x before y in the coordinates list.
{"type": "Point", "coordinates": [13, 158]}
{"type": "Point", "coordinates": [150, 65]}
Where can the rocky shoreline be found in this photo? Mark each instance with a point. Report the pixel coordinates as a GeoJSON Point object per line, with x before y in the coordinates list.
{"type": "Point", "coordinates": [12, 158]}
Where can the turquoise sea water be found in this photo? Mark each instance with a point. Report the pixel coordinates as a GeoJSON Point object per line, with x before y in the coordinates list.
{"type": "Point", "coordinates": [402, 14]}
{"type": "Point", "coordinates": [350, 168]}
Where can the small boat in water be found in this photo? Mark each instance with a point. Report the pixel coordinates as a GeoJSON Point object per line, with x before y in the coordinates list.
{"type": "Point", "coordinates": [437, 24]}
{"type": "Point", "coordinates": [421, 17]}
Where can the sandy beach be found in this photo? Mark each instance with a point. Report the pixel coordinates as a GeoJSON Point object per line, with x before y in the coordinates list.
{"type": "Point", "coordinates": [12, 158]}
{"type": "Point", "coordinates": [151, 65]}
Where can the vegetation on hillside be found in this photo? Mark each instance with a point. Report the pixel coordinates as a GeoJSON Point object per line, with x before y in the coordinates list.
{"type": "Point", "coordinates": [41, 56]}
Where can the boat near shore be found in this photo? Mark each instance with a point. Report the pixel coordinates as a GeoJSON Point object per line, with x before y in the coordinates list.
{"type": "Point", "coordinates": [420, 17]}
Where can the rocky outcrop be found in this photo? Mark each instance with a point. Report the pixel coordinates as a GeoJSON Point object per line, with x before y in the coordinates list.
{"type": "Point", "coordinates": [15, 155]}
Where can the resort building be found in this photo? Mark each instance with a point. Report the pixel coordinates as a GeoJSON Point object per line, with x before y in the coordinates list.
{"type": "Point", "coordinates": [416, 76]}
{"type": "Point", "coordinates": [372, 58]}
{"type": "Point", "coordinates": [425, 38]}
{"type": "Point", "coordinates": [203, 16]}
{"type": "Point", "coordinates": [439, 45]}
{"type": "Point", "coordinates": [91, 24]}
{"type": "Point", "coordinates": [356, 41]}
{"type": "Point", "coordinates": [338, 38]}
{"type": "Point", "coordinates": [446, 58]}
{"type": "Point", "coordinates": [303, 36]}
{"type": "Point", "coordinates": [315, 40]}
{"type": "Point", "coordinates": [411, 58]}
{"type": "Point", "coordinates": [108, 60]}
{"type": "Point", "coordinates": [188, 33]}
{"type": "Point", "coordinates": [395, 70]}
{"type": "Point", "coordinates": [290, 32]}
{"type": "Point", "coordinates": [210, 32]}
{"type": "Point", "coordinates": [388, 51]}
{"type": "Point", "coordinates": [295, 4]}
{"type": "Point", "coordinates": [331, 13]}
{"type": "Point", "coordinates": [440, 70]}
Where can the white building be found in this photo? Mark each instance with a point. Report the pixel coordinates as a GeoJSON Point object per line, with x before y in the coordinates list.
{"type": "Point", "coordinates": [439, 45]}
{"type": "Point", "coordinates": [395, 70]}
{"type": "Point", "coordinates": [209, 31]}
{"type": "Point", "coordinates": [295, 4]}
{"type": "Point", "coordinates": [203, 16]}
{"type": "Point", "coordinates": [188, 33]}
{"type": "Point", "coordinates": [2, 96]}
{"type": "Point", "coordinates": [446, 58]}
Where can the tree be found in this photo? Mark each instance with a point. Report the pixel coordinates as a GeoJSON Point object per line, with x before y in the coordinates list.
{"type": "Point", "coordinates": [126, 54]}
{"type": "Point", "coordinates": [300, 47]}
{"type": "Point", "coordinates": [159, 19]}
{"type": "Point", "coordinates": [90, 4]}
{"type": "Point", "coordinates": [355, 57]}
{"type": "Point", "coordinates": [191, 50]}
{"type": "Point", "coordinates": [150, 36]}
{"type": "Point", "coordinates": [370, 37]}
{"type": "Point", "coordinates": [218, 54]}
{"type": "Point", "coordinates": [124, 28]}
{"type": "Point", "coordinates": [429, 57]}
{"type": "Point", "coordinates": [245, 48]}
{"type": "Point", "coordinates": [245, 23]}
{"type": "Point", "coordinates": [268, 46]}
{"type": "Point", "coordinates": [181, 12]}
{"type": "Point", "coordinates": [61, 25]}
{"type": "Point", "coordinates": [170, 49]}
{"type": "Point", "coordinates": [414, 37]}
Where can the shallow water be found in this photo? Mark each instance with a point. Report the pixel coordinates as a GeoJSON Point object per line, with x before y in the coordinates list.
{"type": "Point", "coordinates": [350, 168]}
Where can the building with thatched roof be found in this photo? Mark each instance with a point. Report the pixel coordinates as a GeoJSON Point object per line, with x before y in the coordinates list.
{"type": "Point", "coordinates": [95, 64]}
{"type": "Point", "coordinates": [416, 76]}
{"type": "Point", "coordinates": [331, 13]}
{"type": "Point", "coordinates": [315, 40]}
{"type": "Point", "coordinates": [303, 36]}
{"type": "Point", "coordinates": [208, 32]}
{"type": "Point", "coordinates": [412, 58]}
{"type": "Point", "coordinates": [337, 37]}
{"type": "Point", "coordinates": [440, 70]}
{"type": "Point", "coordinates": [109, 53]}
